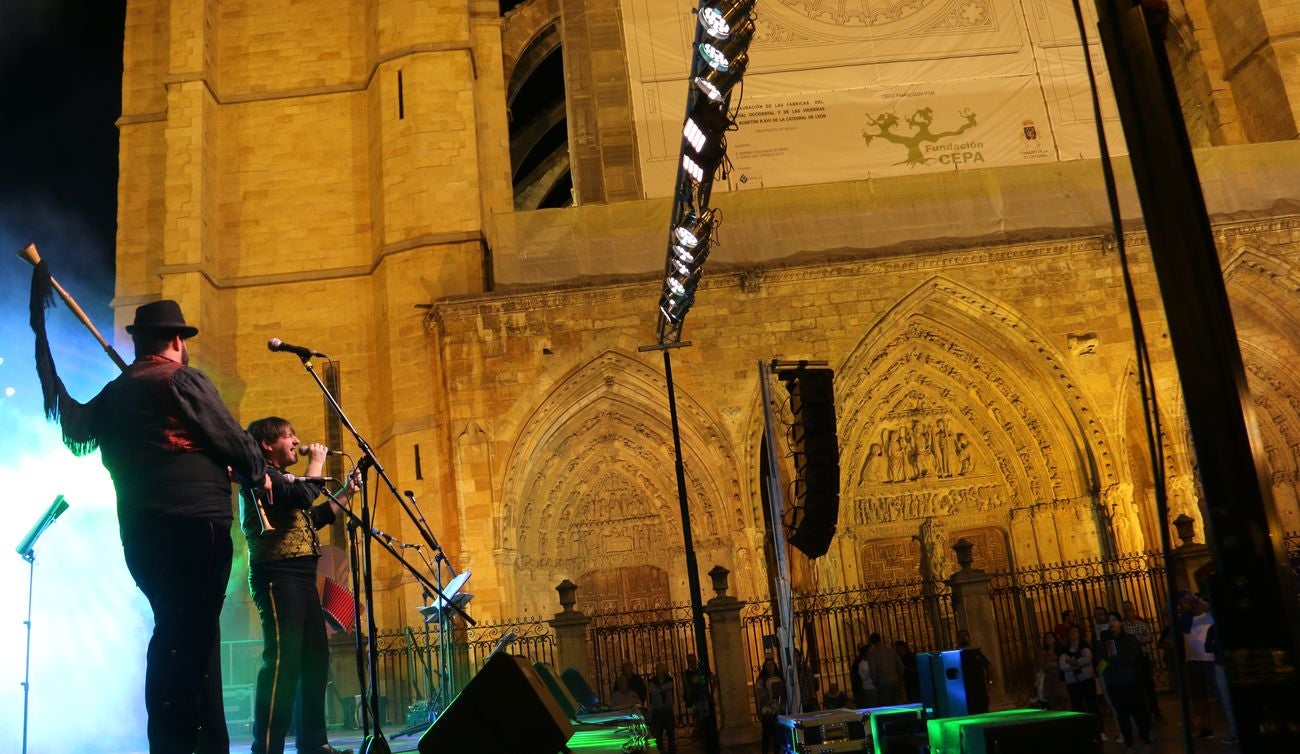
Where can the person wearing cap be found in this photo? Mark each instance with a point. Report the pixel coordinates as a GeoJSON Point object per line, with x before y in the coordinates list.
{"type": "Point", "coordinates": [282, 578]}
{"type": "Point", "coordinates": [170, 446]}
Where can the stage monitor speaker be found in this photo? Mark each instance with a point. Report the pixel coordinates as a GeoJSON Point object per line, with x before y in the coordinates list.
{"type": "Point", "coordinates": [953, 683]}
{"type": "Point", "coordinates": [580, 689]}
{"type": "Point", "coordinates": [504, 707]}
{"type": "Point", "coordinates": [558, 690]}
{"type": "Point", "coordinates": [816, 458]}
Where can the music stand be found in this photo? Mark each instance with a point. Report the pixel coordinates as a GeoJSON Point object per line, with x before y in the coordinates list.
{"type": "Point", "coordinates": [26, 548]}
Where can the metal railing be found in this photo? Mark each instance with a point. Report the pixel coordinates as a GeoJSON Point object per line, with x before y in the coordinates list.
{"type": "Point", "coordinates": [1028, 603]}
{"type": "Point", "coordinates": [645, 638]}
{"type": "Point", "coordinates": [830, 626]}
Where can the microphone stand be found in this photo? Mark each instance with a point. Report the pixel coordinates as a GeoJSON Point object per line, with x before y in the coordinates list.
{"type": "Point", "coordinates": [375, 744]}
{"type": "Point", "coordinates": [26, 548]}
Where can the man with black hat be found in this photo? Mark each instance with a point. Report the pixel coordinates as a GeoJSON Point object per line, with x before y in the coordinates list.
{"type": "Point", "coordinates": [170, 445]}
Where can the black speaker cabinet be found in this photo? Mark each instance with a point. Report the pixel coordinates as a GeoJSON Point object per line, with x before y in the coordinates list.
{"type": "Point", "coordinates": [504, 707]}
{"type": "Point", "coordinates": [953, 683]}
{"type": "Point", "coordinates": [816, 458]}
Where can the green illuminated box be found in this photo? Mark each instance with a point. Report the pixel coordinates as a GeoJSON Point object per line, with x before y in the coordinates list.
{"type": "Point", "coordinates": [1021, 731]}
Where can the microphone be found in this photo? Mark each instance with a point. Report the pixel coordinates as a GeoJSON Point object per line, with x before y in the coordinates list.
{"type": "Point", "coordinates": [275, 344]}
{"type": "Point", "coordinates": [291, 479]}
{"type": "Point", "coordinates": [302, 450]}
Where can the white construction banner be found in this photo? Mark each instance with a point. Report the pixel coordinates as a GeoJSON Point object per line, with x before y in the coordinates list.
{"type": "Point", "coordinates": [856, 89]}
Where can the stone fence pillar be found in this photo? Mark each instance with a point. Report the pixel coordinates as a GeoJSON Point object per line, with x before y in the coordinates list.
{"type": "Point", "coordinates": [973, 608]}
{"type": "Point", "coordinates": [570, 632]}
{"type": "Point", "coordinates": [730, 674]}
{"type": "Point", "coordinates": [1189, 557]}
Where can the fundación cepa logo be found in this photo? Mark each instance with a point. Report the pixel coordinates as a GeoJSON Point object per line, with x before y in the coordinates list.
{"type": "Point", "coordinates": [922, 144]}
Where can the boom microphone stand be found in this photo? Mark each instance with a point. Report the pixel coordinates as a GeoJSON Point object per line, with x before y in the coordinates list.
{"type": "Point", "coordinates": [25, 549]}
{"type": "Point", "coordinates": [376, 743]}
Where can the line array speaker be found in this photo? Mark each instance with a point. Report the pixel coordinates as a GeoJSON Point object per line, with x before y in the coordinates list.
{"type": "Point", "coordinates": [816, 458]}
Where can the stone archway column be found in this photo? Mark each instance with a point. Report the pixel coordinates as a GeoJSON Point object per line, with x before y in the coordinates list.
{"type": "Point", "coordinates": [973, 608]}
{"type": "Point", "coordinates": [570, 632]}
{"type": "Point", "coordinates": [731, 677]}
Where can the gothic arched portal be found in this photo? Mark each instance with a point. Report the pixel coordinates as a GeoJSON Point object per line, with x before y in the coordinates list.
{"type": "Point", "coordinates": [590, 485]}
{"type": "Point", "coordinates": [954, 412]}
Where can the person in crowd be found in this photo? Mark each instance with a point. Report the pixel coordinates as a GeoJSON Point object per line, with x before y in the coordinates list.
{"type": "Point", "coordinates": [663, 701]}
{"type": "Point", "coordinates": [282, 578]}
{"type": "Point", "coordinates": [1140, 628]}
{"type": "Point", "coordinates": [1195, 622]}
{"type": "Point", "coordinates": [911, 673]}
{"type": "Point", "coordinates": [635, 680]}
{"type": "Point", "coordinates": [695, 692]}
{"type": "Point", "coordinates": [1052, 693]}
{"type": "Point", "coordinates": [769, 693]}
{"type": "Point", "coordinates": [1100, 624]}
{"type": "Point", "coordinates": [1067, 620]}
{"type": "Point", "coordinates": [170, 446]}
{"type": "Point", "coordinates": [1075, 663]}
{"type": "Point", "coordinates": [1122, 676]}
{"type": "Point", "coordinates": [1221, 680]}
{"type": "Point", "coordinates": [982, 661]}
{"type": "Point", "coordinates": [808, 684]}
{"type": "Point", "coordinates": [886, 670]}
{"type": "Point", "coordinates": [623, 696]}
{"type": "Point", "coordinates": [1100, 633]}
{"type": "Point", "coordinates": [864, 688]}
{"type": "Point", "coordinates": [835, 697]}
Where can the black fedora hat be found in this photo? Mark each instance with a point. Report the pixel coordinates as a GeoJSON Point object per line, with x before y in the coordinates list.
{"type": "Point", "coordinates": [161, 317]}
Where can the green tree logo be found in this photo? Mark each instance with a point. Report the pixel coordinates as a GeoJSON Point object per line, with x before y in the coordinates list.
{"type": "Point", "coordinates": [919, 122]}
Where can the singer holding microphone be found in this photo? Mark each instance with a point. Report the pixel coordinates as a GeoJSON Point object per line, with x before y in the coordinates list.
{"type": "Point", "coordinates": [282, 578]}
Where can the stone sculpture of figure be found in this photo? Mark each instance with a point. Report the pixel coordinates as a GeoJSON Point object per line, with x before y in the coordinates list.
{"type": "Point", "coordinates": [909, 454]}
{"type": "Point", "coordinates": [962, 447]}
{"type": "Point", "coordinates": [1118, 501]}
{"type": "Point", "coordinates": [1184, 500]}
{"type": "Point", "coordinates": [874, 471]}
{"type": "Point", "coordinates": [941, 449]}
{"type": "Point", "coordinates": [934, 550]}
{"type": "Point", "coordinates": [894, 453]}
{"type": "Point", "coordinates": [924, 451]}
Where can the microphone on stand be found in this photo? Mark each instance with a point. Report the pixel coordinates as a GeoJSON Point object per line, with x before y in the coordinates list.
{"type": "Point", "coordinates": [302, 352]}
{"type": "Point", "coordinates": [302, 450]}
{"type": "Point", "coordinates": [291, 479]}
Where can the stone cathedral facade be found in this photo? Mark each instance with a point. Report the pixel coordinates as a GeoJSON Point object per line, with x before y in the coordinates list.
{"type": "Point", "coordinates": [368, 177]}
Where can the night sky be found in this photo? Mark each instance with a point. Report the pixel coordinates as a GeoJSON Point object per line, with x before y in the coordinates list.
{"type": "Point", "coordinates": [60, 79]}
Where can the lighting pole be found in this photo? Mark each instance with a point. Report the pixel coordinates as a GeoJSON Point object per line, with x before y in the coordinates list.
{"type": "Point", "coordinates": [710, 722]}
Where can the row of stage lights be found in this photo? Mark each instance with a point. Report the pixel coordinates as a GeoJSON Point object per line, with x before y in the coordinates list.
{"type": "Point", "coordinates": [720, 57]}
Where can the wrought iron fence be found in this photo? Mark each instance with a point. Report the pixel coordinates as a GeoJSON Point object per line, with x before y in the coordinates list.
{"type": "Point", "coordinates": [645, 638]}
{"type": "Point", "coordinates": [831, 626]}
{"type": "Point", "coordinates": [408, 669]}
{"type": "Point", "coordinates": [1028, 603]}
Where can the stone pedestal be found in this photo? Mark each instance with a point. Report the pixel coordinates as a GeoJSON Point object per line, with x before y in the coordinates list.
{"type": "Point", "coordinates": [973, 608]}
{"type": "Point", "coordinates": [1189, 557]}
{"type": "Point", "coordinates": [570, 632]}
{"type": "Point", "coordinates": [730, 675]}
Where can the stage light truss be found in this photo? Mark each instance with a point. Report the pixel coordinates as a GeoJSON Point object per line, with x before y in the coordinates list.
{"type": "Point", "coordinates": [722, 38]}
{"type": "Point", "coordinates": [705, 141]}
